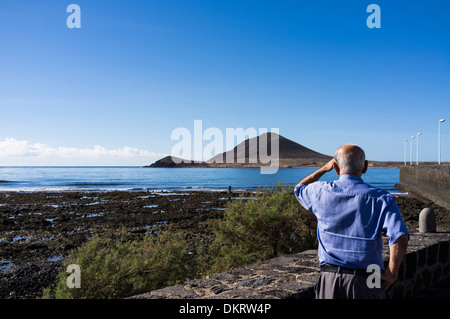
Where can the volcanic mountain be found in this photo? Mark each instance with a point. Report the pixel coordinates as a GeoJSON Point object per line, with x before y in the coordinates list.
{"type": "Point", "coordinates": [250, 154]}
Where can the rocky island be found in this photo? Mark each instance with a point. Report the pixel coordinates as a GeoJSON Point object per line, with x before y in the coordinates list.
{"type": "Point", "coordinates": [291, 155]}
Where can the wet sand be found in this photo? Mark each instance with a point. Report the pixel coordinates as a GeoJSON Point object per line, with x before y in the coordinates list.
{"type": "Point", "coordinates": [39, 229]}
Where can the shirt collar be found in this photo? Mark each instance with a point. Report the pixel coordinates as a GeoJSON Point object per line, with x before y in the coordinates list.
{"type": "Point", "coordinates": [350, 177]}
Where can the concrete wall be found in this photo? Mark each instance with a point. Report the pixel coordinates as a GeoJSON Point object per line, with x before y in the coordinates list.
{"type": "Point", "coordinates": [429, 181]}
{"type": "Point", "coordinates": [293, 276]}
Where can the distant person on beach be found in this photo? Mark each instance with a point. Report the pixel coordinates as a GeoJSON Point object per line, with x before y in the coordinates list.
{"type": "Point", "coordinates": [351, 216]}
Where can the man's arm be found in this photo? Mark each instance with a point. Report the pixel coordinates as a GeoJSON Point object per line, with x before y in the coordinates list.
{"type": "Point", "coordinates": [314, 177]}
{"type": "Point", "coordinates": [396, 254]}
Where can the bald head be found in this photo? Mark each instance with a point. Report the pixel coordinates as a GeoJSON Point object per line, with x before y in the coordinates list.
{"type": "Point", "coordinates": [351, 159]}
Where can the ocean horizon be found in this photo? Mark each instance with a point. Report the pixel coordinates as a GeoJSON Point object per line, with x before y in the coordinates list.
{"type": "Point", "coordinates": [137, 178]}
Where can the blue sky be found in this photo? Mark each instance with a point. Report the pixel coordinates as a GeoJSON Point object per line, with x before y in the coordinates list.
{"type": "Point", "coordinates": [111, 92]}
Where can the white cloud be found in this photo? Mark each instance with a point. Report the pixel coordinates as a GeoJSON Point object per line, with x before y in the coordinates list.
{"type": "Point", "coordinates": [11, 147]}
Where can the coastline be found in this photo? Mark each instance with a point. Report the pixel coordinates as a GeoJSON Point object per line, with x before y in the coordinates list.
{"type": "Point", "coordinates": [39, 229]}
{"type": "Point", "coordinates": [92, 179]}
{"type": "Point", "coordinates": [281, 164]}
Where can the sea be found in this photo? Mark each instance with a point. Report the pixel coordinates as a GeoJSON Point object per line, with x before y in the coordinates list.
{"type": "Point", "coordinates": [132, 178]}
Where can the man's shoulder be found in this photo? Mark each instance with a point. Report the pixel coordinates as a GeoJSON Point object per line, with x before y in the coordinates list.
{"type": "Point", "coordinates": [312, 188]}
{"type": "Point", "coordinates": [379, 193]}
{"type": "Point", "coordinates": [314, 184]}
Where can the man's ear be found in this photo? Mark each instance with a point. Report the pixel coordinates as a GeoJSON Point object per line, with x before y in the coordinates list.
{"type": "Point", "coordinates": [336, 168]}
{"type": "Point", "coordinates": [366, 165]}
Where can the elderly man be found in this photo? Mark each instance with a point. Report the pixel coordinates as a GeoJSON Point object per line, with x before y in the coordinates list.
{"type": "Point", "coordinates": [351, 217]}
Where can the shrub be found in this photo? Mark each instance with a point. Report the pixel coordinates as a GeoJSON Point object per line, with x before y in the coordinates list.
{"type": "Point", "coordinates": [253, 230]}
{"type": "Point", "coordinates": [120, 269]}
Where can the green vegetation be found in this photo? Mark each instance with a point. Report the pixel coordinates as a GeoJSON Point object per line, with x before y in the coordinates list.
{"type": "Point", "coordinates": [250, 230]}
{"type": "Point", "coordinates": [254, 230]}
{"type": "Point", "coordinates": [124, 268]}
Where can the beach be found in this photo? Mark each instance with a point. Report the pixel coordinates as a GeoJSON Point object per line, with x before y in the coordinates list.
{"type": "Point", "coordinates": [39, 229]}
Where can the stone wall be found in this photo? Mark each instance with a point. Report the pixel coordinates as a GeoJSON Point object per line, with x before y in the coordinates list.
{"type": "Point", "coordinates": [293, 276]}
{"type": "Point", "coordinates": [429, 181]}
{"type": "Point", "coordinates": [426, 263]}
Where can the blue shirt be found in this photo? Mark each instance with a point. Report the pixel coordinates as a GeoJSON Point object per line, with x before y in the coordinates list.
{"type": "Point", "coordinates": [351, 216]}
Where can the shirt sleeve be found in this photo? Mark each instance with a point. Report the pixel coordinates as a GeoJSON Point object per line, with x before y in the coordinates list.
{"type": "Point", "coordinates": [393, 224]}
{"type": "Point", "coordinates": [303, 194]}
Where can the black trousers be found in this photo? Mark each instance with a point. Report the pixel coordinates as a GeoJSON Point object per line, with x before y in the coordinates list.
{"type": "Point", "coordinates": [346, 286]}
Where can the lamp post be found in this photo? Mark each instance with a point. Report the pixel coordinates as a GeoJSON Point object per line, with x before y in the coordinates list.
{"type": "Point", "coordinates": [410, 150]}
{"type": "Point", "coordinates": [404, 153]}
{"type": "Point", "coordinates": [417, 148]}
{"type": "Point", "coordinates": [439, 141]}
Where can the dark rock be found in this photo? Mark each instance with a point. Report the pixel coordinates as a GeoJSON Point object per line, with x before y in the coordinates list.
{"type": "Point", "coordinates": [8, 222]}
{"type": "Point", "coordinates": [276, 293]}
{"type": "Point", "coordinates": [246, 293]}
{"type": "Point", "coordinates": [218, 289]}
{"type": "Point", "coordinates": [256, 282]}
{"type": "Point", "coordinates": [27, 281]}
{"type": "Point", "coordinates": [202, 283]}
{"type": "Point", "coordinates": [224, 276]}
{"type": "Point", "coordinates": [178, 291]}
{"type": "Point", "coordinates": [293, 286]}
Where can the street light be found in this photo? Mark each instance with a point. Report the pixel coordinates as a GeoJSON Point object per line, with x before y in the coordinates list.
{"type": "Point", "coordinates": [439, 141]}
{"type": "Point", "coordinates": [410, 150]}
{"type": "Point", "coordinates": [417, 148]}
{"type": "Point", "coordinates": [405, 150]}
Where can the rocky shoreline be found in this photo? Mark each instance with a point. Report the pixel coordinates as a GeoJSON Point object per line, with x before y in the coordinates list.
{"type": "Point", "coordinates": [39, 229]}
